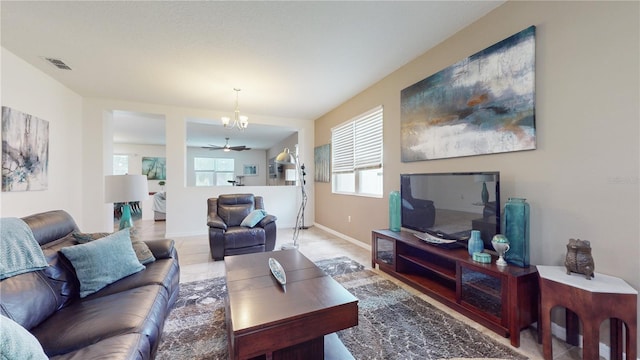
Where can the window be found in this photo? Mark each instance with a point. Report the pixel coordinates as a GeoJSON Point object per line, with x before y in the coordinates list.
{"type": "Point", "coordinates": [120, 164]}
{"type": "Point", "coordinates": [356, 155]}
{"type": "Point", "coordinates": [213, 171]}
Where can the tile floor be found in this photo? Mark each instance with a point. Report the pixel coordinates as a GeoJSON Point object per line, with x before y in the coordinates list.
{"type": "Point", "coordinates": [316, 244]}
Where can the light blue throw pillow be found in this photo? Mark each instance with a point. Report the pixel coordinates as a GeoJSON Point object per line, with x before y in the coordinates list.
{"type": "Point", "coordinates": [18, 343]}
{"type": "Point", "coordinates": [253, 218]}
{"type": "Point", "coordinates": [102, 262]}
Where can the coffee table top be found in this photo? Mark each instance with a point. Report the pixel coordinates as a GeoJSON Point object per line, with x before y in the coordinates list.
{"type": "Point", "coordinates": [257, 300]}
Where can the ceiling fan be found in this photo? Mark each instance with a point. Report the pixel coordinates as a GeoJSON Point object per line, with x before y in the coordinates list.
{"type": "Point", "coordinates": [226, 147]}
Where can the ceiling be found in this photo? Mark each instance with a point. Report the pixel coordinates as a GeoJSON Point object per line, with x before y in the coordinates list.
{"type": "Point", "coordinates": [292, 59]}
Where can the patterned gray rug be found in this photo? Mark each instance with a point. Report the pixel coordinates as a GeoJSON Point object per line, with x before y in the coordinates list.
{"type": "Point", "coordinates": [392, 324]}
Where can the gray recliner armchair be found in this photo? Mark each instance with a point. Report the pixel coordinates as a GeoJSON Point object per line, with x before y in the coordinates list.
{"type": "Point", "coordinates": [227, 236]}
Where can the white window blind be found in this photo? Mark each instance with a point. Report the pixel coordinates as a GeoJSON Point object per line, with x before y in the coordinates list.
{"type": "Point", "coordinates": [368, 141]}
{"type": "Point", "coordinates": [357, 144]}
{"type": "Point", "coordinates": [342, 144]}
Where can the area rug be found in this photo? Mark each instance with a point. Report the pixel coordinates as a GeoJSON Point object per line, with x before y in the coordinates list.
{"type": "Point", "coordinates": [392, 323]}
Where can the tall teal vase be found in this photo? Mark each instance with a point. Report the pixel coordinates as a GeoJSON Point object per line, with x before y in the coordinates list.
{"type": "Point", "coordinates": [394, 211]}
{"type": "Point", "coordinates": [516, 228]}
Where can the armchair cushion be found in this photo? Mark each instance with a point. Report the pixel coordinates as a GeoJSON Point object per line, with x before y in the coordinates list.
{"type": "Point", "coordinates": [267, 220]}
{"type": "Point", "coordinates": [253, 218]}
{"type": "Point", "coordinates": [216, 222]}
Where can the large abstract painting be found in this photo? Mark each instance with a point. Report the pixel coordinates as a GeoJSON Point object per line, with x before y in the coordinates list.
{"type": "Point", "coordinates": [155, 168]}
{"type": "Point", "coordinates": [483, 104]}
{"type": "Point", "coordinates": [25, 151]}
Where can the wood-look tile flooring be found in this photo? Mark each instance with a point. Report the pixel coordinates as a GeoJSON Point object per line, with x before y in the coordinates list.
{"type": "Point", "coordinates": [316, 244]}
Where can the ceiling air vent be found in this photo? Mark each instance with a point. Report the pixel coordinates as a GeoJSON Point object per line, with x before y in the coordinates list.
{"type": "Point", "coordinates": [58, 63]}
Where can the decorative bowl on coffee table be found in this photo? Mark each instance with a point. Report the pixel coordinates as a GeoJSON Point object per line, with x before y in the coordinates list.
{"type": "Point", "coordinates": [277, 271]}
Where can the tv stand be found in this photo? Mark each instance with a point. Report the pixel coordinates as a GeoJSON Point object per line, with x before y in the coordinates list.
{"type": "Point", "coordinates": [504, 299]}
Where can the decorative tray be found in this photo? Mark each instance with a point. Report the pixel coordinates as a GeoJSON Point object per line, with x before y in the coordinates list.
{"type": "Point", "coordinates": [433, 239]}
{"type": "Point", "coordinates": [277, 271]}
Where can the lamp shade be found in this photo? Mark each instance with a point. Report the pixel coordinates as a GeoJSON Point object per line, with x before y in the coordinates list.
{"type": "Point", "coordinates": [125, 188]}
{"type": "Point", "coordinates": [285, 157]}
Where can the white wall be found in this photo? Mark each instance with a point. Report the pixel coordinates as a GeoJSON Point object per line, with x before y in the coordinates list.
{"type": "Point", "coordinates": [186, 206]}
{"type": "Point", "coordinates": [28, 90]}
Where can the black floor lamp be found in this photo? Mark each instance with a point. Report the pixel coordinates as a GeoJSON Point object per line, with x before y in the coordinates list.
{"type": "Point", "coordinates": [286, 158]}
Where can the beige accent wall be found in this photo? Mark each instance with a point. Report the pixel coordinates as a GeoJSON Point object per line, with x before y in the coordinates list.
{"type": "Point", "coordinates": [582, 181]}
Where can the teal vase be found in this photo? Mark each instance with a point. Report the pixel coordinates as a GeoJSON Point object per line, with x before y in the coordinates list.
{"type": "Point", "coordinates": [516, 228]}
{"type": "Point", "coordinates": [475, 243]}
{"type": "Point", "coordinates": [485, 193]}
{"type": "Point", "coordinates": [394, 211]}
{"type": "Point", "coordinates": [125, 219]}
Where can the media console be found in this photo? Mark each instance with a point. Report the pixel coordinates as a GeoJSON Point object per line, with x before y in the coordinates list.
{"type": "Point", "coordinates": [504, 299]}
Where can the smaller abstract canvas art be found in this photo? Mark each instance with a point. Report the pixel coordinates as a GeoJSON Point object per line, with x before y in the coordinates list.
{"type": "Point", "coordinates": [155, 168]}
{"type": "Point", "coordinates": [25, 151]}
{"type": "Point", "coordinates": [250, 170]}
{"type": "Point", "coordinates": [322, 156]}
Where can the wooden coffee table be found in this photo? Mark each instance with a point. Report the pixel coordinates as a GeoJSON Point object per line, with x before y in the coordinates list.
{"type": "Point", "coordinates": [267, 320]}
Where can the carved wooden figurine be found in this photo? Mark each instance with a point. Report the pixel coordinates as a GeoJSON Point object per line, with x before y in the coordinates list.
{"type": "Point", "coordinates": [579, 259]}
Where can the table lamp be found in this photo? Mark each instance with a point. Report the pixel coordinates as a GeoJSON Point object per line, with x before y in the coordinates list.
{"type": "Point", "coordinates": [125, 189]}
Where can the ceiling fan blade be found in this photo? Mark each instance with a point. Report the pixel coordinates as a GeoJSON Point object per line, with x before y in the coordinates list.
{"type": "Point", "coordinates": [239, 148]}
{"type": "Point", "coordinates": [213, 147]}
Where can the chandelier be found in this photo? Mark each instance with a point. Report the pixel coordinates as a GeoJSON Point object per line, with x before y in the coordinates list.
{"type": "Point", "coordinates": [239, 121]}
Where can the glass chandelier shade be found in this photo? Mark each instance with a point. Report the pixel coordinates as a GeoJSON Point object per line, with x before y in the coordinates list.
{"type": "Point", "coordinates": [239, 121]}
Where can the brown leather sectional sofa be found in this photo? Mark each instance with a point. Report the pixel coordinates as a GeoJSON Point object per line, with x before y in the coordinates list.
{"type": "Point", "coordinates": [124, 320]}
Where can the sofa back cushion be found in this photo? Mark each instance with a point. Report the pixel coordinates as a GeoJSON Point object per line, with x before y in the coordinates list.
{"type": "Point", "coordinates": [27, 298]}
{"type": "Point", "coordinates": [30, 298]}
{"type": "Point", "coordinates": [51, 225]}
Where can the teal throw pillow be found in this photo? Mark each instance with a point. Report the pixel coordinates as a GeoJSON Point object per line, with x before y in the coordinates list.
{"type": "Point", "coordinates": [143, 253]}
{"type": "Point", "coordinates": [253, 218]}
{"type": "Point", "coordinates": [18, 343]}
{"type": "Point", "coordinates": [104, 261]}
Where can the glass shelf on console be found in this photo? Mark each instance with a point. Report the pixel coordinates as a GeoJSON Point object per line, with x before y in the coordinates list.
{"type": "Point", "coordinates": [482, 291]}
{"type": "Point", "coordinates": [385, 250]}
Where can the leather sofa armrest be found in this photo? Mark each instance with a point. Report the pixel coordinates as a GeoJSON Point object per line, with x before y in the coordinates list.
{"type": "Point", "coordinates": [161, 249]}
{"type": "Point", "coordinates": [216, 222]}
{"type": "Point", "coordinates": [267, 220]}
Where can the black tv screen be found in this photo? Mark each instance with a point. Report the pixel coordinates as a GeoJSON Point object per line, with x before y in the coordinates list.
{"type": "Point", "coordinates": [450, 205]}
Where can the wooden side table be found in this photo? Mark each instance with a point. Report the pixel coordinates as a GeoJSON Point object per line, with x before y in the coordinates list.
{"type": "Point", "coordinates": [603, 297]}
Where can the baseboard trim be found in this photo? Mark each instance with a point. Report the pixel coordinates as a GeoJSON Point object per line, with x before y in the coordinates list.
{"type": "Point", "coordinates": [343, 236]}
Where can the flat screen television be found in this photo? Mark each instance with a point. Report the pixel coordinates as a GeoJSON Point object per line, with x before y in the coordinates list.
{"type": "Point", "coordinates": [450, 205]}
